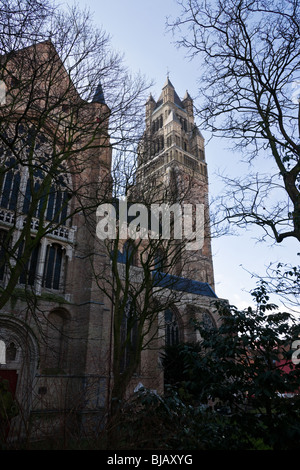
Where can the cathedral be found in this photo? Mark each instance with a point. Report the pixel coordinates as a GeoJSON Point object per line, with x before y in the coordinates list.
{"type": "Point", "coordinates": [57, 319]}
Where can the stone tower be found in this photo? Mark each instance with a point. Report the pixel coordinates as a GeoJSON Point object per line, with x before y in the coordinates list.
{"type": "Point", "coordinates": [172, 157]}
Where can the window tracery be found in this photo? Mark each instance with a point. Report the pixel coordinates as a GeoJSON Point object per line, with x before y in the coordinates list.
{"type": "Point", "coordinates": [52, 277]}
{"type": "Point", "coordinates": [171, 328]}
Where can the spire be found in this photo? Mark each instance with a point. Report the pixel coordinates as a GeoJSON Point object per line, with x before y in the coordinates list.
{"type": "Point", "coordinates": [150, 98]}
{"type": "Point", "coordinates": [187, 102]}
{"type": "Point", "coordinates": [99, 95]}
{"type": "Point", "coordinates": [168, 83]}
{"type": "Point", "coordinates": [187, 96]}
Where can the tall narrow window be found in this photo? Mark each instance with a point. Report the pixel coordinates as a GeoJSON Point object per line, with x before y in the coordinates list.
{"type": "Point", "coordinates": [28, 273]}
{"type": "Point", "coordinates": [171, 328]}
{"type": "Point", "coordinates": [4, 252]}
{"type": "Point", "coordinates": [53, 267]}
{"type": "Point", "coordinates": [128, 335]}
{"type": "Point", "coordinates": [10, 185]}
{"type": "Point", "coordinates": [27, 198]}
{"type": "Point", "coordinates": [11, 352]}
{"type": "Point", "coordinates": [57, 206]}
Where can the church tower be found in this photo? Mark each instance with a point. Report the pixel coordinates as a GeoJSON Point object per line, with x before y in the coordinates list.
{"type": "Point", "coordinates": [172, 157]}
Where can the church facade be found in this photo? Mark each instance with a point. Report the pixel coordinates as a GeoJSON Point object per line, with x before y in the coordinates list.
{"type": "Point", "coordinates": [56, 327]}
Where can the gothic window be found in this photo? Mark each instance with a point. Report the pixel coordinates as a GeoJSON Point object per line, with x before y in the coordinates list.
{"type": "Point", "coordinates": [53, 200]}
{"type": "Point", "coordinates": [171, 328]}
{"type": "Point", "coordinates": [157, 123]}
{"type": "Point", "coordinates": [10, 185]}
{"type": "Point", "coordinates": [8, 352]}
{"type": "Point", "coordinates": [158, 144]}
{"type": "Point", "coordinates": [4, 252]}
{"type": "Point", "coordinates": [28, 273]}
{"type": "Point", "coordinates": [13, 173]}
{"type": "Point", "coordinates": [129, 332]}
{"type": "Point", "coordinates": [11, 352]}
{"type": "Point", "coordinates": [57, 204]}
{"type": "Point", "coordinates": [207, 321]}
{"type": "Point", "coordinates": [52, 278]}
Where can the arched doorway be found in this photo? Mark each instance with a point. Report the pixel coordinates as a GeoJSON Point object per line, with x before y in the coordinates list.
{"type": "Point", "coordinates": [19, 359]}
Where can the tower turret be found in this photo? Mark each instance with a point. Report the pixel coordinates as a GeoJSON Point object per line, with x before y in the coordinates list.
{"type": "Point", "coordinates": [172, 156]}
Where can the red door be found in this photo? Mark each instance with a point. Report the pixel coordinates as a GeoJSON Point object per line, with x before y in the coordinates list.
{"type": "Point", "coordinates": [12, 377]}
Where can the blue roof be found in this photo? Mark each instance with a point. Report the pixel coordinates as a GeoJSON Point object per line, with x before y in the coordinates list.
{"type": "Point", "coordinates": [183, 284]}
{"type": "Point", "coordinates": [178, 283]}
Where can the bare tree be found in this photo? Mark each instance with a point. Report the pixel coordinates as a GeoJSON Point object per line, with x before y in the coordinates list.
{"type": "Point", "coordinates": [59, 138]}
{"type": "Point", "coordinates": [66, 102]}
{"type": "Point", "coordinates": [249, 53]}
{"type": "Point", "coordinates": [53, 119]}
{"type": "Point", "coordinates": [144, 275]}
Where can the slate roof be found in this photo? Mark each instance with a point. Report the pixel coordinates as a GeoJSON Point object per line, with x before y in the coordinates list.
{"type": "Point", "coordinates": [183, 284]}
{"type": "Point", "coordinates": [177, 283]}
{"type": "Point", "coordinates": [177, 100]}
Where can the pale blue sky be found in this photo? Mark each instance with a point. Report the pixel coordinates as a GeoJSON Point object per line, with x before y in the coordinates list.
{"type": "Point", "coordinates": [137, 28]}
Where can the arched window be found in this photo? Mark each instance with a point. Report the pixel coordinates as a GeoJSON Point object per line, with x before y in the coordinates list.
{"type": "Point", "coordinates": [53, 200]}
{"type": "Point", "coordinates": [207, 321]}
{"type": "Point", "coordinates": [52, 278]}
{"type": "Point", "coordinates": [57, 203]}
{"type": "Point", "coordinates": [14, 175]}
{"type": "Point", "coordinates": [28, 274]}
{"type": "Point", "coordinates": [10, 185]}
{"type": "Point", "coordinates": [171, 328]}
{"type": "Point", "coordinates": [11, 352]}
